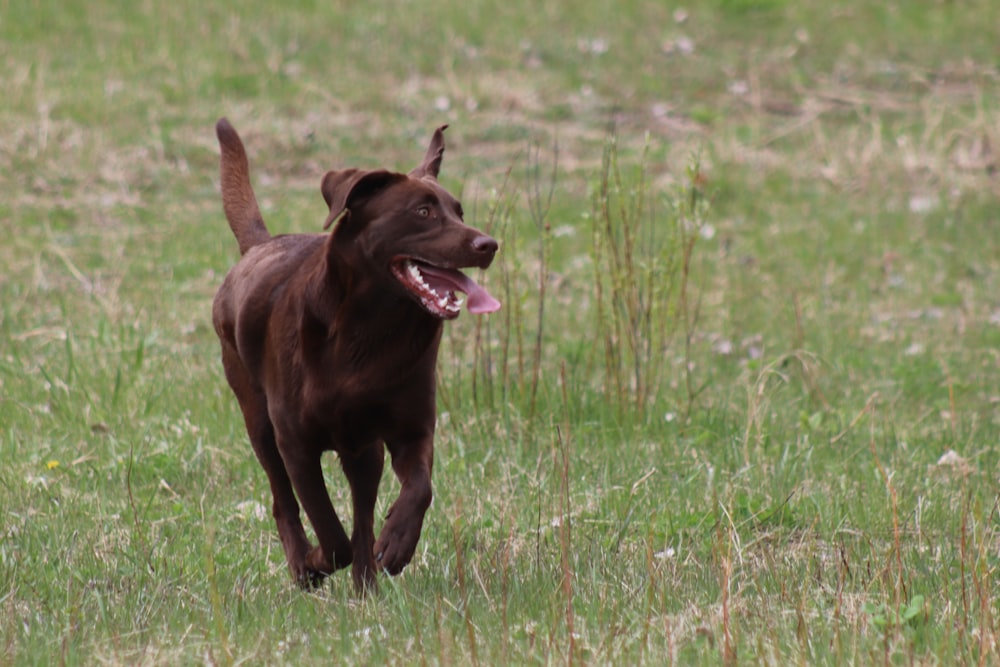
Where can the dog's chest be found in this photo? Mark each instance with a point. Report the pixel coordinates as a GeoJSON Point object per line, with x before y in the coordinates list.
{"type": "Point", "coordinates": [366, 383]}
{"type": "Point", "coordinates": [356, 426]}
{"type": "Point", "coordinates": [357, 410]}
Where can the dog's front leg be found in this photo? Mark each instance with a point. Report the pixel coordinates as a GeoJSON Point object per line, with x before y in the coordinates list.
{"type": "Point", "coordinates": [411, 461]}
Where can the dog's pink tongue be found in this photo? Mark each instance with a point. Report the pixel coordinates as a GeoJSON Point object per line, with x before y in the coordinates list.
{"type": "Point", "coordinates": [480, 301]}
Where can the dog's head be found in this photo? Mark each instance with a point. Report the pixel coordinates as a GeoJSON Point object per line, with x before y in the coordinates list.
{"type": "Point", "coordinates": [408, 228]}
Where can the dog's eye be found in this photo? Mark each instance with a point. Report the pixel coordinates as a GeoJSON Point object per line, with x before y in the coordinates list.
{"type": "Point", "coordinates": [424, 211]}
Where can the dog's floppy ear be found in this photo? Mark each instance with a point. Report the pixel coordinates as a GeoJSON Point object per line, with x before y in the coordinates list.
{"type": "Point", "coordinates": [432, 160]}
{"type": "Point", "coordinates": [341, 188]}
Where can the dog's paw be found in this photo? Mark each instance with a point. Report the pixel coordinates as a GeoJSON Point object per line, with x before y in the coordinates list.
{"type": "Point", "coordinates": [309, 579]}
{"type": "Point", "coordinates": [395, 547]}
{"type": "Point", "coordinates": [317, 560]}
{"type": "Point", "coordinates": [364, 578]}
{"type": "Point", "coordinates": [306, 574]}
{"type": "Point", "coordinates": [313, 569]}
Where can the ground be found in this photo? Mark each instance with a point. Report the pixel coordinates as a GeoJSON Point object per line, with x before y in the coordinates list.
{"type": "Point", "coordinates": [740, 403]}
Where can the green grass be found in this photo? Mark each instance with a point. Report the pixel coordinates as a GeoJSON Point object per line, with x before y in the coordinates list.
{"type": "Point", "coordinates": [741, 403]}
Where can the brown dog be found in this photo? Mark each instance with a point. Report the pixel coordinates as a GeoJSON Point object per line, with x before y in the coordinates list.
{"type": "Point", "coordinates": [329, 342]}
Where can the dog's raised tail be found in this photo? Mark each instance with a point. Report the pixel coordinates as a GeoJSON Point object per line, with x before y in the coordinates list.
{"type": "Point", "coordinates": [238, 199]}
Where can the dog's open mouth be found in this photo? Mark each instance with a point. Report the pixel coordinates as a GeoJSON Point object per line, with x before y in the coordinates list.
{"type": "Point", "coordinates": [435, 288]}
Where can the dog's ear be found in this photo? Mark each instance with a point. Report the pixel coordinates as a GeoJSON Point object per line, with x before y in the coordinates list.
{"type": "Point", "coordinates": [432, 160]}
{"type": "Point", "coordinates": [346, 186]}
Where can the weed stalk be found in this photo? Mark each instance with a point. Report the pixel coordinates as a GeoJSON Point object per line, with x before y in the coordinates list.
{"type": "Point", "coordinates": [644, 260]}
{"type": "Point", "coordinates": [539, 204]}
{"type": "Point", "coordinates": [496, 224]}
{"type": "Point", "coordinates": [724, 544]}
{"type": "Point", "coordinates": [463, 589]}
{"type": "Point", "coordinates": [565, 524]}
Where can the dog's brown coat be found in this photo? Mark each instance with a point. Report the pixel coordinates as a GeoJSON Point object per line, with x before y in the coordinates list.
{"type": "Point", "coordinates": [326, 349]}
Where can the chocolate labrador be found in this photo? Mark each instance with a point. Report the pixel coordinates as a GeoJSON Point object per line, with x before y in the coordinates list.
{"type": "Point", "coordinates": [330, 341]}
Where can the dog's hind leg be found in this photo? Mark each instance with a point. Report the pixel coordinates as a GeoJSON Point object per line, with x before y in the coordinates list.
{"type": "Point", "coordinates": [285, 508]}
{"type": "Point", "coordinates": [364, 472]}
{"type": "Point", "coordinates": [304, 465]}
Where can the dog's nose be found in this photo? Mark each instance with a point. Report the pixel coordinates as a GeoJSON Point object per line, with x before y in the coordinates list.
{"type": "Point", "coordinates": [485, 245]}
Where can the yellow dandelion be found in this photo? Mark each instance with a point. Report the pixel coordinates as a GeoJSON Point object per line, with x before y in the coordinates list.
{"type": "Point", "coordinates": [52, 464]}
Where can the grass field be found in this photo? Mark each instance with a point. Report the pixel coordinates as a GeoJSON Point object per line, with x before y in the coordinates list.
{"type": "Point", "coordinates": [742, 403]}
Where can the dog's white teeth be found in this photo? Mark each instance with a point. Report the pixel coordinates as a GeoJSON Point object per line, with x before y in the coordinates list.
{"type": "Point", "coordinates": [418, 277]}
{"type": "Point", "coordinates": [447, 302]}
